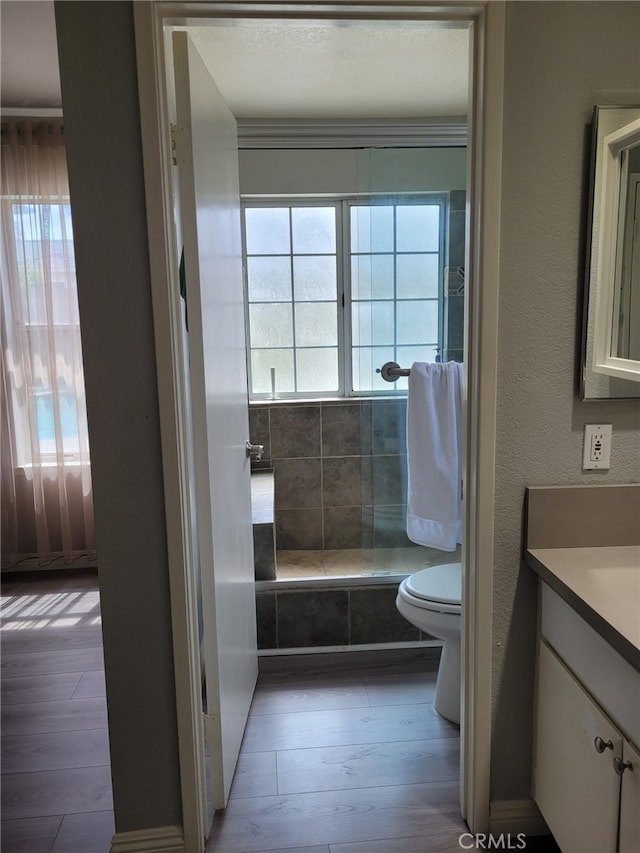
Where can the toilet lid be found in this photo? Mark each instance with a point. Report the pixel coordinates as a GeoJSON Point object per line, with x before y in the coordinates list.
{"type": "Point", "coordinates": [437, 583]}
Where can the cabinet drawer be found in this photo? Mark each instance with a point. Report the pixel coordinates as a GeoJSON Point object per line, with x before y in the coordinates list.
{"type": "Point", "coordinates": [610, 679]}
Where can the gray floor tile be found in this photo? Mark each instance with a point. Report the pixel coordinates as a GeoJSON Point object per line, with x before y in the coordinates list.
{"type": "Point", "coordinates": [342, 767]}
{"type": "Point", "coordinates": [324, 848]}
{"type": "Point", "coordinates": [55, 751]}
{"type": "Point", "coordinates": [443, 836]}
{"type": "Point", "coordinates": [85, 833]}
{"type": "Point", "coordinates": [348, 726]}
{"type": "Point", "coordinates": [39, 688]}
{"type": "Point", "coordinates": [401, 689]}
{"type": "Point", "coordinates": [68, 715]}
{"type": "Point", "coordinates": [30, 835]}
{"type": "Point", "coordinates": [255, 775]}
{"type": "Point", "coordinates": [56, 792]}
{"type": "Point", "coordinates": [91, 685]}
{"type": "Point", "coordinates": [58, 639]}
{"type": "Point", "coordinates": [308, 697]}
{"type": "Point", "coordinates": [43, 663]}
{"type": "Point", "coordinates": [331, 817]}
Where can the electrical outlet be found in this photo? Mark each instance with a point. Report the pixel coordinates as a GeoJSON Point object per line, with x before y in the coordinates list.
{"type": "Point", "coordinates": [596, 448]}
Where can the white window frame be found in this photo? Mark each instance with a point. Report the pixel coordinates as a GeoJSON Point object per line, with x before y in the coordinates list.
{"type": "Point", "coordinates": [343, 205]}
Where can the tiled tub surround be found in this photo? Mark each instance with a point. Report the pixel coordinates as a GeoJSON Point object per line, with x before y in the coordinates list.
{"type": "Point", "coordinates": [317, 615]}
{"type": "Point", "coordinates": [264, 544]}
{"type": "Point", "coordinates": [340, 472]}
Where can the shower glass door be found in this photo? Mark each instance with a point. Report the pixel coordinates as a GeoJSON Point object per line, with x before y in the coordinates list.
{"type": "Point", "coordinates": [399, 258]}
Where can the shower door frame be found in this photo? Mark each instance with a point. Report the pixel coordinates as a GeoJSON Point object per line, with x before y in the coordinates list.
{"type": "Point", "coordinates": [486, 22]}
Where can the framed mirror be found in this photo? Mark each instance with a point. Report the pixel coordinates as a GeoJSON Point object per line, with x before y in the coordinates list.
{"type": "Point", "coordinates": [611, 328]}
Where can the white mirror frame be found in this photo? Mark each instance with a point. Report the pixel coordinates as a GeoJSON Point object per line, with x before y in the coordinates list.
{"type": "Point", "coordinates": [601, 376]}
{"type": "Point", "coordinates": [609, 244]}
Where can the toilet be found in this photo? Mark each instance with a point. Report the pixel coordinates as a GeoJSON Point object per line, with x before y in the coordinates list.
{"type": "Point", "coordinates": [431, 599]}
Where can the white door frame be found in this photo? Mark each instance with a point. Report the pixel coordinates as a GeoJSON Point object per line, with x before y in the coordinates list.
{"type": "Point", "coordinates": [486, 20]}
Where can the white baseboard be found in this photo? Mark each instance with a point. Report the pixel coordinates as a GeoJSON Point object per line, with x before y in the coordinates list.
{"type": "Point", "coordinates": [159, 839]}
{"type": "Point", "coordinates": [514, 816]}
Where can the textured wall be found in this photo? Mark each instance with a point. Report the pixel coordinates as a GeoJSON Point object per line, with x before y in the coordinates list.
{"type": "Point", "coordinates": [561, 60]}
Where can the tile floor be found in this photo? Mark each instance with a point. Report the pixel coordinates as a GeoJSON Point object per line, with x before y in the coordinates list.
{"type": "Point", "coordinates": [342, 754]}
{"type": "Point", "coordinates": [358, 562]}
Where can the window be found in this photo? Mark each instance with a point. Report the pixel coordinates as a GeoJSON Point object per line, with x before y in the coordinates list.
{"type": "Point", "coordinates": [41, 246]}
{"type": "Point", "coordinates": [336, 289]}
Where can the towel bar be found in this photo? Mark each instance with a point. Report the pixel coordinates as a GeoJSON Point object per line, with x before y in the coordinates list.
{"type": "Point", "coordinates": [392, 371]}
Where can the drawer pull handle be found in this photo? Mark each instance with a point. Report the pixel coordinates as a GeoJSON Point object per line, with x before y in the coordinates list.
{"type": "Point", "coordinates": [600, 745]}
{"type": "Point", "coordinates": [620, 766]}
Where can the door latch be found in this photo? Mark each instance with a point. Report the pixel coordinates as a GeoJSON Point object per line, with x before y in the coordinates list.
{"type": "Point", "coordinates": [254, 451]}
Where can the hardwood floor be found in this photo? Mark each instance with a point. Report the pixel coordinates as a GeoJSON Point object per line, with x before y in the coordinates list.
{"type": "Point", "coordinates": [342, 753]}
{"type": "Point", "coordinates": [345, 753]}
{"type": "Point", "coordinates": [56, 782]}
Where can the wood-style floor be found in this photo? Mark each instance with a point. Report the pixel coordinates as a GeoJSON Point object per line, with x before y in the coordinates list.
{"type": "Point", "coordinates": [342, 754]}
{"type": "Point", "coordinates": [56, 781]}
{"type": "Point", "coordinates": [345, 755]}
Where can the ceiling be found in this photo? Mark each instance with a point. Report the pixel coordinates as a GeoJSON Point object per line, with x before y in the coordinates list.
{"type": "Point", "coordinates": [275, 70]}
{"type": "Point", "coordinates": [29, 76]}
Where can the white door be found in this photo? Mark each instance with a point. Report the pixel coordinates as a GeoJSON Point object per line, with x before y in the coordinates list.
{"type": "Point", "coordinates": [207, 158]}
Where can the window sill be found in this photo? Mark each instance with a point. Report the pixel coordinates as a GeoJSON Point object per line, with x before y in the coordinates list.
{"type": "Point", "coordinates": [308, 401]}
{"type": "Point", "coordinates": [49, 465]}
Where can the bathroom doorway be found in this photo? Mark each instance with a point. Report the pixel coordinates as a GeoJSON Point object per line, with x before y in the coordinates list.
{"type": "Point", "coordinates": [486, 25]}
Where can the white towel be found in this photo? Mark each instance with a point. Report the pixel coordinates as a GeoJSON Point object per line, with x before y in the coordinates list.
{"type": "Point", "coordinates": [434, 455]}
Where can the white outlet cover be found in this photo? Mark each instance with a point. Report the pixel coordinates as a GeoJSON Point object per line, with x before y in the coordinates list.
{"type": "Point", "coordinates": [603, 464]}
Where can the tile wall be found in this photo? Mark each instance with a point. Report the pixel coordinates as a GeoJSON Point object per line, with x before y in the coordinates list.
{"type": "Point", "coordinates": [340, 471]}
{"type": "Point", "coordinates": [342, 616]}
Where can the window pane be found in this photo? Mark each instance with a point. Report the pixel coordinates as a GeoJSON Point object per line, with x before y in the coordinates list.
{"type": "Point", "coordinates": [417, 276]}
{"type": "Point", "coordinates": [426, 353]}
{"type": "Point", "coordinates": [372, 228]}
{"type": "Point", "coordinates": [314, 278]}
{"type": "Point", "coordinates": [68, 413]}
{"type": "Point", "coordinates": [365, 361]}
{"type": "Point", "coordinates": [46, 225]}
{"type": "Point", "coordinates": [262, 360]}
{"type": "Point", "coordinates": [267, 230]}
{"type": "Point", "coordinates": [314, 230]}
{"type": "Point", "coordinates": [417, 322]}
{"type": "Point", "coordinates": [418, 228]}
{"type": "Point", "coordinates": [317, 369]}
{"type": "Point", "coordinates": [271, 325]}
{"type": "Point", "coordinates": [372, 277]}
{"type": "Point", "coordinates": [269, 279]}
{"type": "Point", "coordinates": [316, 324]}
{"type": "Point", "coordinates": [372, 323]}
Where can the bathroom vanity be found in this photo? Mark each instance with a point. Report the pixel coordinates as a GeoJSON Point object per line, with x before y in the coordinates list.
{"type": "Point", "coordinates": [586, 750]}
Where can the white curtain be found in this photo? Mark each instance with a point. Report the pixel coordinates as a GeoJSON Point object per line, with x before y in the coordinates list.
{"type": "Point", "coordinates": [47, 506]}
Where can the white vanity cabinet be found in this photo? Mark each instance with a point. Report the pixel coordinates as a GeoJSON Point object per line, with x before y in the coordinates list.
{"type": "Point", "coordinates": [630, 801]}
{"type": "Point", "coordinates": [586, 774]}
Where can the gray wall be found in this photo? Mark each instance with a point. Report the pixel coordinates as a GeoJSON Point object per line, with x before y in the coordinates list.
{"type": "Point", "coordinates": [561, 60]}
{"type": "Point", "coordinates": [105, 169]}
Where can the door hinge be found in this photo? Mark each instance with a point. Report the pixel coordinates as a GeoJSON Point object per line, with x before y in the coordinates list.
{"type": "Point", "coordinates": [172, 137]}
{"type": "Point", "coordinates": [212, 731]}
{"type": "Point", "coordinates": [180, 144]}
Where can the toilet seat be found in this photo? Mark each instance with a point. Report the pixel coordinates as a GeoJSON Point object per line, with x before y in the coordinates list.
{"type": "Point", "coordinates": [435, 588]}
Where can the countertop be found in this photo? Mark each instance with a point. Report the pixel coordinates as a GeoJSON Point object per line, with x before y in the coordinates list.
{"type": "Point", "coordinates": [602, 585]}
